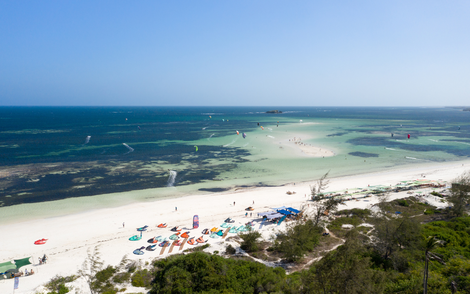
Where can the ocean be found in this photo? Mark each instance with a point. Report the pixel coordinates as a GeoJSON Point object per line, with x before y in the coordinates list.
{"type": "Point", "coordinates": [51, 154]}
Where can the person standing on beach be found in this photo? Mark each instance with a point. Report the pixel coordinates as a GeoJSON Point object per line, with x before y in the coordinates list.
{"type": "Point", "coordinates": [233, 203]}
{"type": "Point", "coordinates": [176, 208]}
{"type": "Point", "coordinates": [122, 225]}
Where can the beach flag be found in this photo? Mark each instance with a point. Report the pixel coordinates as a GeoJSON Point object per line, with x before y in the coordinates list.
{"type": "Point", "coordinates": [196, 222]}
{"type": "Point", "coordinates": [17, 281]}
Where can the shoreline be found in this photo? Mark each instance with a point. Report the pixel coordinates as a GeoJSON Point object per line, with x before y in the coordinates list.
{"type": "Point", "coordinates": [71, 236]}
{"type": "Point", "coordinates": [42, 210]}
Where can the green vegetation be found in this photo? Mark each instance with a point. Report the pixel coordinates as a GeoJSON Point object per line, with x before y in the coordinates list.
{"type": "Point", "coordinates": [103, 282]}
{"type": "Point", "coordinates": [346, 270]}
{"type": "Point", "coordinates": [437, 194]}
{"type": "Point", "coordinates": [297, 239]}
{"type": "Point", "coordinates": [57, 284]}
{"type": "Point", "coordinates": [402, 251]}
{"type": "Point", "coordinates": [142, 278]}
{"type": "Point", "coordinates": [403, 202]}
{"type": "Point", "coordinates": [197, 249]}
{"type": "Point", "coordinates": [250, 241]}
{"type": "Point", "coordinates": [204, 273]}
{"type": "Point", "coordinates": [360, 213]}
{"type": "Point", "coordinates": [230, 250]}
{"type": "Point", "coordinates": [460, 195]}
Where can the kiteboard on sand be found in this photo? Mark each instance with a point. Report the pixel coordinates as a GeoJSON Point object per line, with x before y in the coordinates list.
{"type": "Point", "coordinates": [164, 247]}
{"type": "Point", "coordinates": [182, 244]}
{"type": "Point", "coordinates": [225, 233]}
{"type": "Point", "coordinates": [172, 245]}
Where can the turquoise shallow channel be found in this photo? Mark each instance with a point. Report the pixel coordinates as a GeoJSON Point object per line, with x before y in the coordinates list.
{"type": "Point", "coordinates": [55, 156]}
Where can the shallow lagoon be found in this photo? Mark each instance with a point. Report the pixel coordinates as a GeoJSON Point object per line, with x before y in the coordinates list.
{"type": "Point", "coordinates": [51, 162]}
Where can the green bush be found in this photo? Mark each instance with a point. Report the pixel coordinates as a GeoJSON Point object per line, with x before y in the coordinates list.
{"type": "Point", "coordinates": [250, 241]}
{"type": "Point", "coordinates": [361, 213]}
{"type": "Point", "coordinates": [57, 284]}
{"type": "Point", "coordinates": [122, 277]}
{"type": "Point", "coordinates": [403, 202]}
{"type": "Point", "coordinates": [437, 194]}
{"type": "Point", "coordinates": [337, 224]}
{"type": "Point", "coordinates": [197, 248]}
{"type": "Point", "coordinates": [104, 275]}
{"type": "Point", "coordinates": [206, 273]}
{"type": "Point", "coordinates": [62, 289]}
{"type": "Point", "coordinates": [230, 250]}
{"type": "Point", "coordinates": [297, 240]}
{"type": "Point", "coordinates": [103, 281]}
{"type": "Point", "coordinates": [132, 267]}
{"type": "Point", "coordinates": [429, 212]}
{"type": "Point", "coordinates": [455, 235]}
{"type": "Point", "coordinates": [141, 278]}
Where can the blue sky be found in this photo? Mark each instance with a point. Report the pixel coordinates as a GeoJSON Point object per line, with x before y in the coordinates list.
{"type": "Point", "coordinates": [243, 53]}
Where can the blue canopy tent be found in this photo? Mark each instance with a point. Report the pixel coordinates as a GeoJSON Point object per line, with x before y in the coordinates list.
{"type": "Point", "coordinates": [285, 212]}
{"type": "Point", "coordinates": [293, 210]}
{"type": "Point", "coordinates": [279, 208]}
{"type": "Point", "coordinates": [262, 214]}
{"type": "Point", "coordinates": [275, 215]}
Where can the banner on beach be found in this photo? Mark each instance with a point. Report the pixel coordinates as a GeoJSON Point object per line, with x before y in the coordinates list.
{"type": "Point", "coordinates": [195, 222]}
{"type": "Point", "coordinates": [17, 281]}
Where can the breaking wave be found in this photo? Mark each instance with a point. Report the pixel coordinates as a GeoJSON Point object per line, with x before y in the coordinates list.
{"type": "Point", "coordinates": [171, 179]}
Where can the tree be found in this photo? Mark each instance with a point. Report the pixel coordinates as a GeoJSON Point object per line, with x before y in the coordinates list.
{"type": "Point", "coordinates": [460, 195]}
{"type": "Point", "coordinates": [90, 267]}
{"type": "Point", "coordinates": [392, 234]}
{"type": "Point", "coordinates": [346, 270]}
{"type": "Point", "coordinates": [321, 185]}
{"type": "Point", "coordinates": [431, 243]}
{"type": "Point", "coordinates": [322, 209]}
{"type": "Point", "coordinates": [250, 241]}
{"type": "Point", "coordinates": [299, 237]}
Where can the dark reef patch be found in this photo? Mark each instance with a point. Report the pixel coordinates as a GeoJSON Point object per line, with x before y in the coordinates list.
{"type": "Point", "coordinates": [41, 182]}
{"type": "Point", "coordinates": [214, 189]}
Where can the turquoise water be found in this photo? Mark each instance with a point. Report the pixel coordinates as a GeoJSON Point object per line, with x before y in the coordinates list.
{"type": "Point", "coordinates": [46, 155]}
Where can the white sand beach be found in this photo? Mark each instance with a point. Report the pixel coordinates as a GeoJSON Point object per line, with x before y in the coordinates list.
{"type": "Point", "coordinates": [71, 236]}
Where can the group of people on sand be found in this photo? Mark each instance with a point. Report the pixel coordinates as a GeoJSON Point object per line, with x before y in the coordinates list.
{"type": "Point", "coordinates": [19, 274]}
{"type": "Point", "coordinates": [26, 273]}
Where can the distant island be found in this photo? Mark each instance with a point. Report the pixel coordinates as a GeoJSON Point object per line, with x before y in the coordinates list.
{"type": "Point", "coordinates": [273, 111]}
{"type": "Point", "coordinates": [466, 109]}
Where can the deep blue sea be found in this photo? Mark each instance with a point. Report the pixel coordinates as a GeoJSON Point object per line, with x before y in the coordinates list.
{"type": "Point", "coordinates": [51, 153]}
